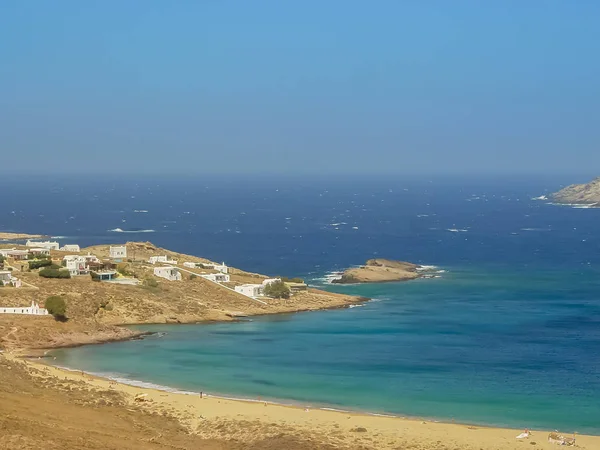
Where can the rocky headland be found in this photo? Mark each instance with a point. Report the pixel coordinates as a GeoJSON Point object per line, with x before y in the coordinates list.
{"type": "Point", "coordinates": [380, 271]}
{"type": "Point", "coordinates": [579, 194]}
{"type": "Point", "coordinates": [97, 311]}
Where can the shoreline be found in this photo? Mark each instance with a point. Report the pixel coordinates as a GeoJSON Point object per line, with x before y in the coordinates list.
{"type": "Point", "coordinates": [283, 402]}
{"type": "Point", "coordinates": [382, 430]}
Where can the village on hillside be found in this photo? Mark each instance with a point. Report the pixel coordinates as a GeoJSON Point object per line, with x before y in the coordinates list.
{"type": "Point", "coordinates": [31, 272]}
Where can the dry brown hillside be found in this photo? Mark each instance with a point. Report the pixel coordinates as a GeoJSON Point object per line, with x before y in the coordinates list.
{"type": "Point", "coordinates": [94, 307]}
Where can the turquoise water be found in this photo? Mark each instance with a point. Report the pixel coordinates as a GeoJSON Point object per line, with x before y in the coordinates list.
{"type": "Point", "coordinates": [489, 348]}
{"type": "Point", "coordinates": [510, 335]}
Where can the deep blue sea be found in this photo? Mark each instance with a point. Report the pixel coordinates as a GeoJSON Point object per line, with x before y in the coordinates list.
{"type": "Point", "coordinates": [509, 335]}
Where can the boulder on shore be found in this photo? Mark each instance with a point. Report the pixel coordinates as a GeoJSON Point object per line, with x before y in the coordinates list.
{"type": "Point", "coordinates": [380, 271]}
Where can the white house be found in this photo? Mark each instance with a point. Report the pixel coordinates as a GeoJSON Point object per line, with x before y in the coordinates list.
{"type": "Point", "coordinates": [118, 252]}
{"type": "Point", "coordinates": [221, 268]}
{"type": "Point", "coordinates": [250, 290]}
{"type": "Point", "coordinates": [17, 254]}
{"type": "Point", "coordinates": [33, 310]}
{"type": "Point", "coordinates": [4, 251]}
{"type": "Point", "coordinates": [50, 245]}
{"type": "Point", "coordinates": [39, 251]}
{"type": "Point", "coordinates": [270, 280]}
{"type": "Point", "coordinates": [76, 264]}
{"type": "Point", "coordinates": [89, 258]}
{"type": "Point", "coordinates": [70, 248]}
{"type": "Point", "coordinates": [168, 272]}
{"type": "Point", "coordinates": [161, 259]}
{"type": "Point", "coordinates": [191, 265]}
{"type": "Point", "coordinates": [216, 277]}
{"type": "Point", "coordinates": [7, 278]}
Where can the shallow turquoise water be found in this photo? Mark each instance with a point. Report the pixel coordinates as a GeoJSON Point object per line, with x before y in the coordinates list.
{"type": "Point", "coordinates": [490, 348]}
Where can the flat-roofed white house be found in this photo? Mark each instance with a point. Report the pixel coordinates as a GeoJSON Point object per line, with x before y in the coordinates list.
{"type": "Point", "coordinates": [221, 268]}
{"type": "Point", "coordinates": [76, 264]}
{"type": "Point", "coordinates": [18, 255]}
{"type": "Point", "coordinates": [89, 258]}
{"type": "Point", "coordinates": [7, 279]}
{"type": "Point", "coordinates": [118, 252]}
{"type": "Point", "coordinates": [250, 290]}
{"type": "Point", "coordinates": [39, 251]}
{"type": "Point", "coordinates": [216, 277]}
{"type": "Point", "coordinates": [191, 265]}
{"type": "Point", "coordinates": [168, 273]}
{"type": "Point", "coordinates": [161, 259]}
{"type": "Point", "coordinates": [33, 310]}
{"type": "Point", "coordinates": [270, 280]}
{"type": "Point", "coordinates": [50, 245]}
{"type": "Point", "coordinates": [4, 251]}
{"type": "Point", "coordinates": [70, 248]}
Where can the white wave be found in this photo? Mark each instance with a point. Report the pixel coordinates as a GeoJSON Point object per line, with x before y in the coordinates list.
{"type": "Point", "coordinates": [120, 230]}
{"type": "Point", "coordinates": [141, 211]}
{"type": "Point", "coordinates": [457, 230]}
{"type": "Point", "coordinates": [426, 268]}
{"type": "Point", "coordinates": [355, 306]}
{"type": "Point", "coordinates": [541, 197]}
{"type": "Point", "coordinates": [355, 228]}
{"type": "Point", "coordinates": [591, 205]}
{"type": "Point", "coordinates": [59, 237]}
{"type": "Point", "coordinates": [535, 229]}
{"type": "Point", "coordinates": [338, 224]}
{"type": "Point", "coordinates": [329, 277]}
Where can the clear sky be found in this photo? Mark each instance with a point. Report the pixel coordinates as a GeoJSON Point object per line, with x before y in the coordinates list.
{"type": "Point", "coordinates": [399, 86]}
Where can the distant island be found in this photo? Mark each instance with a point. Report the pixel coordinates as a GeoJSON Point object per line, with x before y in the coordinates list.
{"type": "Point", "coordinates": [380, 271]}
{"type": "Point", "coordinates": [579, 194]}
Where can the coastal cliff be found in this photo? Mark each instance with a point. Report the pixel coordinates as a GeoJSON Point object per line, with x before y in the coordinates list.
{"type": "Point", "coordinates": [380, 271]}
{"type": "Point", "coordinates": [579, 194]}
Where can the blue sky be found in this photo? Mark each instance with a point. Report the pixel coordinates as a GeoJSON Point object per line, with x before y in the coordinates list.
{"type": "Point", "coordinates": [335, 86]}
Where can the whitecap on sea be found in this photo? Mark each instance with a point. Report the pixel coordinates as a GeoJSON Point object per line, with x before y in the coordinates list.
{"type": "Point", "coordinates": [120, 230]}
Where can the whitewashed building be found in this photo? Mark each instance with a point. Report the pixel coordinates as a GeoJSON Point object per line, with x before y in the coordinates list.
{"type": "Point", "coordinates": [76, 264]}
{"type": "Point", "coordinates": [222, 268]}
{"type": "Point", "coordinates": [50, 245]}
{"type": "Point", "coordinates": [216, 277]}
{"type": "Point", "coordinates": [17, 255]}
{"type": "Point", "coordinates": [251, 290]}
{"type": "Point", "coordinates": [7, 279]}
{"type": "Point", "coordinates": [33, 310]}
{"type": "Point", "coordinates": [39, 251]}
{"type": "Point", "coordinates": [118, 252]}
{"type": "Point", "coordinates": [168, 273]}
{"type": "Point", "coordinates": [70, 248]}
{"type": "Point", "coordinates": [161, 259]}
{"type": "Point", "coordinates": [191, 265]}
{"type": "Point", "coordinates": [270, 280]}
{"type": "Point", "coordinates": [89, 258]}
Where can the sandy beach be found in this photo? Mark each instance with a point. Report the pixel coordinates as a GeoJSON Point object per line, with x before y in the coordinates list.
{"type": "Point", "coordinates": [218, 419]}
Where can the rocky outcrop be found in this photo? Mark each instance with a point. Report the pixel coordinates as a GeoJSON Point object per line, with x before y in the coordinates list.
{"type": "Point", "coordinates": [380, 271]}
{"type": "Point", "coordinates": [579, 194]}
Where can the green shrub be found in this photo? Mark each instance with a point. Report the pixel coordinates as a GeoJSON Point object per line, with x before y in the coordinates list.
{"type": "Point", "coordinates": [291, 280]}
{"type": "Point", "coordinates": [57, 306]}
{"type": "Point", "coordinates": [37, 263]}
{"type": "Point", "coordinates": [277, 289]}
{"type": "Point", "coordinates": [50, 272]}
{"type": "Point", "coordinates": [193, 276]}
